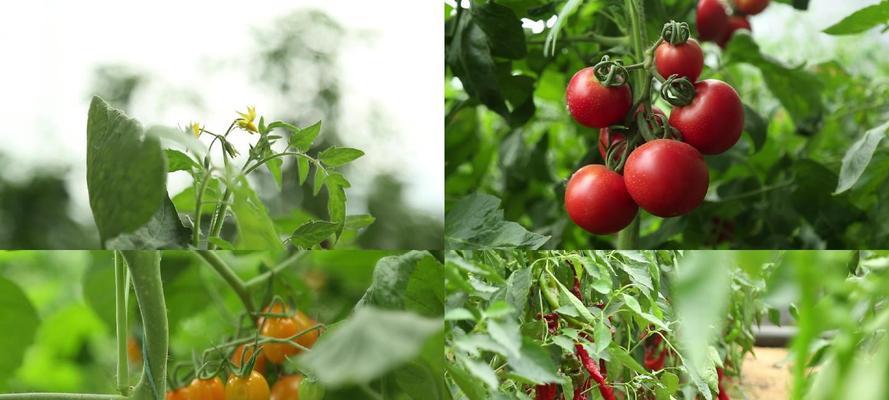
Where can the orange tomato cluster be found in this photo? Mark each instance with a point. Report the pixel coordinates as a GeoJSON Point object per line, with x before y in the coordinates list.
{"type": "Point", "coordinates": [254, 385]}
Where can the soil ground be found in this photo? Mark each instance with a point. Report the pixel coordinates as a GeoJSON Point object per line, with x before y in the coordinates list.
{"type": "Point", "coordinates": [767, 375]}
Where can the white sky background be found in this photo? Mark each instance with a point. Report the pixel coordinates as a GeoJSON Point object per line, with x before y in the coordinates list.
{"type": "Point", "coordinates": [391, 62]}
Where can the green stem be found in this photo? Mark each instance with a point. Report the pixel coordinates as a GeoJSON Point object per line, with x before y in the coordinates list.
{"type": "Point", "coordinates": [120, 302]}
{"type": "Point", "coordinates": [591, 37]}
{"type": "Point", "coordinates": [628, 239]}
{"type": "Point", "coordinates": [198, 205]}
{"type": "Point", "coordinates": [265, 276]}
{"type": "Point", "coordinates": [218, 218]}
{"type": "Point", "coordinates": [145, 273]}
{"type": "Point", "coordinates": [231, 278]}
{"type": "Point", "coordinates": [61, 396]}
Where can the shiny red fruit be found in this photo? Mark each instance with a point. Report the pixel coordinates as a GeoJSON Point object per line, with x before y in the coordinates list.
{"type": "Point", "coordinates": [734, 23]}
{"type": "Point", "coordinates": [751, 7]}
{"type": "Point", "coordinates": [597, 200]}
{"type": "Point", "coordinates": [712, 20]}
{"type": "Point", "coordinates": [594, 105]}
{"type": "Point", "coordinates": [666, 177]}
{"type": "Point", "coordinates": [713, 121]}
{"type": "Point", "coordinates": [685, 59]}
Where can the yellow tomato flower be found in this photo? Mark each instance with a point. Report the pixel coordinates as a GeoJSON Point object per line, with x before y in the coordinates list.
{"type": "Point", "coordinates": [246, 120]}
{"type": "Point", "coordinates": [196, 129]}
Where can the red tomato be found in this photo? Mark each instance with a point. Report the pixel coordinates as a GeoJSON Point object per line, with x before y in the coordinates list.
{"type": "Point", "coordinates": [278, 327]}
{"type": "Point", "coordinates": [178, 394]}
{"type": "Point", "coordinates": [751, 7]}
{"type": "Point", "coordinates": [685, 59]}
{"type": "Point", "coordinates": [597, 200]}
{"type": "Point", "coordinates": [712, 20]}
{"type": "Point", "coordinates": [734, 23]}
{"type": "Point", "coordinates": [713, 121]}
{"type": "Point", "coordinates": [239, 354]}
{"type": "Point", "coordinates": [303, 322]}
{"type": "Point", "coordinates": [206, 389]}
{"type": "Point", "coordinates": [666, 177]}
{"type": "Point", "coordinates": [594, 105]}
{"type": "Point", "coordinates": [287, 388]}
{"type": "Point", "coordinates": [605, 135]}
{"type": "Point", "coordinates": [252, 387]}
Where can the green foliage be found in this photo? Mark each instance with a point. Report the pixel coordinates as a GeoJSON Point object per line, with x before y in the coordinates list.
{"type": "Point", "coordinates": [861, 20]}
{"type": "Point", "coordinates": [791, 182]}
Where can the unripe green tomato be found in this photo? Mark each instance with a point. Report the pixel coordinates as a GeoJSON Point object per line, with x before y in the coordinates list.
{"type": "Point", "coordinates": [310, 389]}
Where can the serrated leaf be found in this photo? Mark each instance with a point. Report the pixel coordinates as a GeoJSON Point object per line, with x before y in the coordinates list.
{"type": "Point", "coordinates": [312, 233]}
{"type": "Point", "coordinates": [861, 20]}
{"type": "Point", "coordinates": [476, 222]}
{"type": "Point", "coordinates": [338, 156]}
{"type": "Point", "coordinates": [303, 139]}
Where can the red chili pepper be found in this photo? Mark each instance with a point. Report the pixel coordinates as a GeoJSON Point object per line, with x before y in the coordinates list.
{"type": "Point", "coordinates": [546, 392]}
{"type": "Point", "coordinates": [580, 392]}
{"type": "Point", "coordinates": [723, 394]}
{"type": "Point", "coordinates": [604, 389]}
{"type": "Point", "coordinates": [654, 362]}
{"type": "Point", "coordinates": [552, 321]}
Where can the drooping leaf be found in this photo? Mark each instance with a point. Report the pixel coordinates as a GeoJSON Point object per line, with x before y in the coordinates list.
{"type": "Point", "coordinates": [163, 231]}
{"type": "Point", "coordinates": [476, 222]}
{"type": "Point", "coordinates": [408, 282]}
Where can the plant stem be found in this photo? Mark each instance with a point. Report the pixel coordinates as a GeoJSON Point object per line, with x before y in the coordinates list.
{"type": "Point", "coordinates": [145, 272]}
{"type": "Point", "coordinates": [628, 239]}
{"type": "Point", "coordinates": [61, 396]}
{"type": "Point", "coordinates": [264, 277]}
{"type": "Point", "coordinates": [231, 278]}
{"type": "Point", "coordinates": [218, 218]}
{"type": "Point", "coordinates": [120, 302]}
{"type": "Point", "coordinates": [199, 199]}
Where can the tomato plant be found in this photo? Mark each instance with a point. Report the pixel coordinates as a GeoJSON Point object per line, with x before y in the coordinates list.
{"type": "Point", "coordinates": [807, 170]}
{"type": "Point", "coordinates": [127, 167]}
{"type": "Point", "coordinates": [369, 323]}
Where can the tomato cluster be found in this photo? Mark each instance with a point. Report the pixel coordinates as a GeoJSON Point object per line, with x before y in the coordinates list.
{"type": "Point", "coordinates": [666, 175]}
{"type": "Point", "coordinates": [717, 23]}
{"type": "Point", "coordinates": [276, 327]}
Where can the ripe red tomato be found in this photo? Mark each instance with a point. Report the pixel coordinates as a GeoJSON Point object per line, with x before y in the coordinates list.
{"type": "Point", "coordinates": [734, 23]}
{"type": "Point", "coordinates": [713, 121]}
{"type": "Point", "coordinates": [685, 59]}
{"type": "Point", "coordinates": [597, 200]}
{"type": "Point", "coordinates": [751, 7]}
{"type": "Point", "coordinates": [206, 389]}
{"type": "Point", "coordinates": [606, 135]}
{"type": "Point", "coordinates": [279, 327]}
{"type": "Point", "coordinates": [712, 20]}
{"type": "Point", "coordinates": [252, 387]}
{"type": "Point", "coordinates": [287, 387]}
{"type": "Point", "coordinates": [244, 352]}
{"type": "Point", "coordinates": [594, 105]}
{"type": "Point", "coordinates": [178, 394]}
{"type": "Point", "coordinates": [666, 177]}
{"type": "Point", "coordinates": [303, 322]}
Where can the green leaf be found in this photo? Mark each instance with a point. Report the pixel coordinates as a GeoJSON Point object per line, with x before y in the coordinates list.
{"type": "Point", "coordinates": [756, 127]}
{"type": "Point", "coordinates": [125, 171]}
{"type": "Point", "coordinates": [337, 156]}
{"type": "Point", "coordinates": [303, 139]}
{"type": "Point", "coordinates": [179, 161]}
{"type": "Point", "coordinates": [861, 20]}
{"type": "Point", "coordinates": [503, 29]}
{"type": "Point", "coordinates": [221, 243]}
{"type": "Point", "coordinates": [475, 222]}
{"type": "Point", "coordinates": [256, 231]}
{"type": "Point", "coordinates": [302, 166]}
{"type": "Point", "coordinates": [274, 167]}
{"type": "Point", "coordinates": [336, 205]}
{"type": "Point", "coordinates": [858, 157]}
{"type": "Point", "coordinates": [367, 345]}
{"type": "Point", "coordinates": [356, 222]}
{"type": "Point", "coordinates": [312, 233]}
{"type": "Point", "coordinates": [409, 282]}
{"type": "Point", "coordinates": [163, 231]}
{"type": "Point", "coordinates": [18, 322]}
{"type": "Point", "coordinates": [318, 182]}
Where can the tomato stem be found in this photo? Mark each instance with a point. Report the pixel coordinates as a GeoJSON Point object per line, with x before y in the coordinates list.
{"type": "Point", "coordinates": [222, 268]}
{"type": "Point", "coordinates": [120, 303]}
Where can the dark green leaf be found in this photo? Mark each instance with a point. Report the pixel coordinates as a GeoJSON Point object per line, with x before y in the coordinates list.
{"type": "Point", "coordinates": [476, 222]}
{"type": "Point", "coordinates": [756, 127]}
{"type": "Point", "coordinates": [163, 231]}
{"type": "Point", "coordinates": [409, 282]}
{"type": "Point", "coordinates": [503, 29]}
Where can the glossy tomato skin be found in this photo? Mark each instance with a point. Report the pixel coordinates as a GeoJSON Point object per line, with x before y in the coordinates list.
{"type": "Point", "coordinates": [751, 7]}
{"type": "Point", "coordinates": [276, 327]}
{"type": "Point", "coordinates": [239, 354]}
{"type": "Point", "coordinates": [252, 387]}
{"type": "Point", "coordinates": [666, 177]}
{"type": "Point", "coordinates": [735, 23]}
{"type": "Point", "coordinates": [206, 389]}
{"type": "Point", "coordinates": [606, 135]}
{"type": "Point", "coordinates": [178, 394]}
{"type": "Point", "coordinates": [713, 121]}
{"type": "Point", "coordinates": [303, 322]}
{"type": "Point", "coordinates": [287, 388]}
{"type": "Point", "coordinates": [712, 20]}
{"type": "Point", "coordinates": [594, 105]}
{"type": "Point", "coordinates": [597, 200]}
{"type": "Point", "coordinates": [685, 59]}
